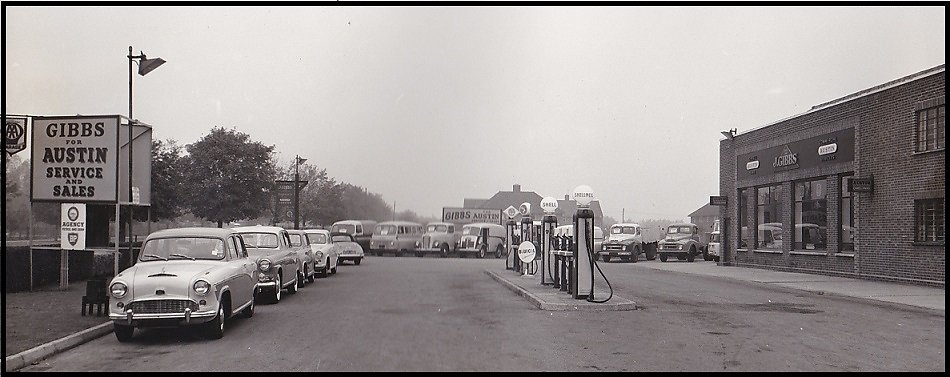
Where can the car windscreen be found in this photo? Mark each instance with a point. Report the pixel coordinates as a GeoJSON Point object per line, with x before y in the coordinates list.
{"type": "Point", "coordinates": [713, 238]}
{"type": "Point", "coordinates": [623, 230]}
{"type": "Point", "coordinates": [182, 248]}
{"type": "Point", "coordinates": [296, 239]}
{"type": "Point", "coordinates": [471, 231]}
{"type": "Point", "coordinates": [317, 238]}
{"type": "Point", "coordinates": [437, 228]}
{"type": "Point", "coordinates": [343, 228]}
{"type": "Point", "coordinates": [386, 230]}
{"type": "Point", "coordinates": [260, 240]}
{"type": "Point", "coordinates": [680, 230]}
{"type": "Point", "coordinates": [341, 238]}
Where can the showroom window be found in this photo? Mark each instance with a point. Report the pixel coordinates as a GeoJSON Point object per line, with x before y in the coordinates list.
{"type": "Point", "coordinates": [769, 215]}
{"type": "Point", "coordinates": [743, 217]}
{"type": "Point", "coordinates": [930, 129]}
{"type": "Point", "coordinates": [848, 230]}
{"type": "Point", "coordinates": [811, 215]}
{"type": "Point", "coordinates": [929, 220]}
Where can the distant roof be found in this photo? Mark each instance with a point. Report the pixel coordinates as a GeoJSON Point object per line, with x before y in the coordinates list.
{"type": "Point", "coordinates": [706, 211]}
{"type": "Point", "coordinates": [503, 199]}
{"type": "Point", "coordinates": [570, 207]}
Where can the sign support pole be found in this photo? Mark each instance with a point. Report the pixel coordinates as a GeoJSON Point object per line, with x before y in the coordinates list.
{"type": "Point", "coordinates": [115, 255]}
{"type": "Point", "coordinates": [30, 249]}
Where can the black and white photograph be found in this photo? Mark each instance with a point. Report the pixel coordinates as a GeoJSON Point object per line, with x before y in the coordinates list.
{"type": "Point", "coordinates": [474, 187]}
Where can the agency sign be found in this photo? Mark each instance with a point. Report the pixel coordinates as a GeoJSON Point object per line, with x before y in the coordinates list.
{"type": "Point", "coordinates": [471, 215]}
{"type": "Point", "coordinates": [73, 226]}
{"type": "Point", "coordinates": [75, 159]}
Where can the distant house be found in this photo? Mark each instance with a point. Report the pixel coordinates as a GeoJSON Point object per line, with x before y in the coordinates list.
{"type": "Point", "coordinates": [567, 207]}
{"type": "Point", "coordinates": [504, 199]}
{"type": "Point", "coordinates": [704, 217]}
{"type": "Point", "coordinates": [474, 203]}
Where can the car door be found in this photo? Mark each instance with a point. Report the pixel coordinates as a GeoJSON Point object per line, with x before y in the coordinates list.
{"type": "Point", "coordinates": [238, 279]}
{"type": "Point", "coordinates": [287, 258]}
{"type": "Point", "coordinates": [247, 274]}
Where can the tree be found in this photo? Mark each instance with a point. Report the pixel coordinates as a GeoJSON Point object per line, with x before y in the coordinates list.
{"type": "Point", "coordinates": [228, 176]}
{"type": "Point", "coordinates": [321, 200]}
{"type": "Point", "coordinates": [360, 204]}
{"type": "Point", "coordinates": [168, 179]}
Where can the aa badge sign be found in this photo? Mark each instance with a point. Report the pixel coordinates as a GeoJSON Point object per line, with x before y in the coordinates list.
{"type": "Point", "coordinates": [73, 226]}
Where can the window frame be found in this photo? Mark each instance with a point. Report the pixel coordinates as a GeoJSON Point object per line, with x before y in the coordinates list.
{"type": "Point", "coordinates": [918, 216]}
{"type": "Point", "coordinates": [795, 208]}
{"type": "Point", "coordinates": [922, 129]}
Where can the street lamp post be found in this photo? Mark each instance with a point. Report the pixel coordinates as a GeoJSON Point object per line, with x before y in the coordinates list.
{"type": "Point", "coordinates": [297, 162]}
{"type": "Point", "coordinates": [145, 66]}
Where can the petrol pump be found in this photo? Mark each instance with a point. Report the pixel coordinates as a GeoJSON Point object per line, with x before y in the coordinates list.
{"type": "Point", "coordinates": [548, 223]}
{"type": "Point", "coordinates": [582, 273]}
{"type": "Point", "coordinates": [526, 230]}
{"type": "Point", "coordinates": [510, 228]}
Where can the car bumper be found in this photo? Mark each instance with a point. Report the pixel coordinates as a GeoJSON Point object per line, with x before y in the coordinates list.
{"type": "Point", "coordinates": [350, 256]}
{"type": "Point", "coordinates": [162, 319]}
{"type": "Point", "coordinates": [615, 253]}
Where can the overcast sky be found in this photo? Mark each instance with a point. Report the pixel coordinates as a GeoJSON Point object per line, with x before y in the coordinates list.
{"type": "Point", "coordinates": [428, 106]}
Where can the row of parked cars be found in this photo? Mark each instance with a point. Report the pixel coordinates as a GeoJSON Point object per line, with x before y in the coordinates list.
{"type": "Point", "coordinates": [205, 276]}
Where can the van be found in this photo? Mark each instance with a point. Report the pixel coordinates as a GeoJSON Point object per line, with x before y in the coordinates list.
{"type": "Point", "coordinates": [361, 230]}
{"type": "Point", "coordinates": [397, 237]}
{"type": "Point", "coordinates": [472, 240]}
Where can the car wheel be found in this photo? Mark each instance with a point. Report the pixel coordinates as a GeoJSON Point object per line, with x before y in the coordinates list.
{"type": "Point", "coordinates": [499, 251]}
{"type": "Point", "coordinates": [325, 272]}
{"type": "Point", "coordinates": [332, 270]}
{"type": "Point", "coordinates": [715, 258]}
{"type": "Point", "coordinates": [357, 261]}
{"type": "Point", "coordinates": [292, 289]}
{"type": "Point", "coordinates": [248, 312]}
{"type": "Point", "coordinates": [636, 254]}
{"type": "Point", "coordinates": [461, 254]}
{"type": "Point", "coordinates": [606, 258]}
{"type": "Point", "coordinates": [277, 289]}
{"type": "Point", "coordinates": [706, 256]}
{"type": "Point", "coordinates": [691, 256]}
{"type": "Point", "coordinates": [122, 332]}
{"type": "Point", "coordinates": [483, 251]}
{"type": "Point", "coordinates": [301, 279]}
{"type": "Point", "coordinates": [662, 257]}
{"type": "Point", "coordinates": [597, 257]}
{"type": "Point", "coordinates": [215, 329]}
{"type": "Point", "coordinates": [443, 251]}
{"type": "Point", "coordinates": [398, 253]}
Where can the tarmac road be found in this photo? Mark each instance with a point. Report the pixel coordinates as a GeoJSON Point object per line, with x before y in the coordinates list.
{"type": "Point", "coordinates": [434, 314]}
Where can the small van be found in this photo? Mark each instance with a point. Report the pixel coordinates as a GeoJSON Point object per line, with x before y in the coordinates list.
{"type": "Point", "coordinates": [440, 237]}
{"type": "Point", "coordinates": [473, 242]}
{"type": "Point", "coordinates": [361, 230]}
{"type": "Point", "coordinates": [396, 236]}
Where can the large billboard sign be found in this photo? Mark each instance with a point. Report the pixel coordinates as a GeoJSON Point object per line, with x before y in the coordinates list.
{"type": "Point", "coordinates": [75, 159]}
{"type": "Point", "coordinates": [470, 215]}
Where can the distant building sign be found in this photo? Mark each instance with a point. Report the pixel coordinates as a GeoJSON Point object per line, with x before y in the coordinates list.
{"type": "Point", "coordinates": [285, 199]}
{"type": "Point", "coordinates": [511, 212]}
{"type": "Point", "coordinates": [14, 134]}
{"type": "Point", "coordinates": [861, 185]}
{"type": "Point", "coordinates": [718, 200]}
{"type": "Point", "coordinates": [470, 215]}
{"type": "Point", "coordinates": [75, 159]}
{"type": "Point", "coordinates": [830, 148]}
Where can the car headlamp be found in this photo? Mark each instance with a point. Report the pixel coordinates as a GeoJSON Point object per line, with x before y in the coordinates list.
{"type": "Point", "coordinates": [264, 265]}
{"type": "Point", "coordinates": [202, 287]}
{"type": "Point", "coordinates": [118, 289]}
{"type": "Point", "coordinates": [319, 255]}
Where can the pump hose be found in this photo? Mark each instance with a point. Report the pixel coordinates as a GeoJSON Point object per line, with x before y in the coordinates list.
{"type": "Point", "coordinates": [593, 262]}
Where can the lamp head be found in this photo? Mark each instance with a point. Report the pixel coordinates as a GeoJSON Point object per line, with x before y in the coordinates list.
{"type": "Point", "coordinates": [583, 195]}
{"type": "Point", "coordinates": [548, 204]}
{"type": "Point", "coordinates": [148, 65]}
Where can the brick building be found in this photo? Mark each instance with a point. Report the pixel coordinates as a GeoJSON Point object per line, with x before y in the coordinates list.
{"type": "Point", "coordinates": [853, 187]}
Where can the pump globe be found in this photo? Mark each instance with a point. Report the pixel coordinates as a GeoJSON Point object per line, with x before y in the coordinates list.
{"type": "Point", "coordinates": [548, 204]}
{"type": "Point", "coordinates": [583, 195]}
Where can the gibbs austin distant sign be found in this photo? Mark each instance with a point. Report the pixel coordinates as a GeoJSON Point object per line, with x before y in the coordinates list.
{"type": "Point", "coordinates": [75, 159]}
{"type": "Point", "coordinates": [471, 215]}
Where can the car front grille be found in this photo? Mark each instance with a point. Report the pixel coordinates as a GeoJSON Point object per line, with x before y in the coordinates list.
{"type": "Point", "coordinates": [162, 306]}
{"type": "Point", "coordinates": [469, 243]}
{"type": "Point", "coordinates": [614, 247]}
{"type": "Point", "coordinates": [425, 241]}
{"type": "Point", "coordinates": [671, 246]}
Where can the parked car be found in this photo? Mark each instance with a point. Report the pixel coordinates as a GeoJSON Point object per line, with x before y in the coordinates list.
{"type": "Point", "coordinates": [325, 255]}
{"type": "Point", "coordinates": [682, 241]}
{"type": "Point", "coordinates": [184, 276]}
{"type": "Point", "coordinates": [473, 241]}
{"type": "Point", "coordinates": [347, 248]}
{"type": "Point", "coordinates": [439, 238]}
{"type": "Point", "coordinates": [362, 230]}
{"type": "Point", "coordinates": [277, 261]}
{"type": "Point", "coordinates": [713, 249]}
{"type": "Point", "coordinates": [629, 240]}
{"type": "Point", "coordinates": [397, 237]}
{"type": "Point", "coordinates": [568, 230]}
{"type": "Point", "coordinates": [299, 241]}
